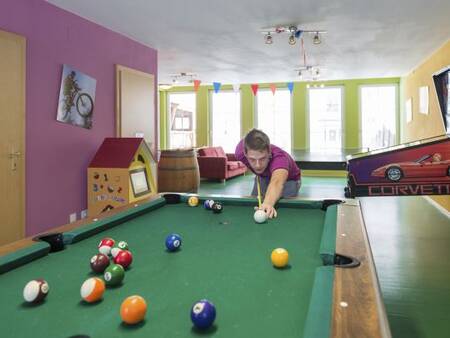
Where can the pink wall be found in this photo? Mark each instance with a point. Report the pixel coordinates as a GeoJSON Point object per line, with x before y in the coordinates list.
{"type": "Point", "coordinates": [57, 154]}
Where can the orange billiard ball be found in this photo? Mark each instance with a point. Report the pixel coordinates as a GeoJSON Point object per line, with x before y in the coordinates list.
{"type": "Point", "coordinates": [133, 309]}
{"type": "Point", "coordinates": [279, 257]}
{"type": "Point", "coordinates": [92, 289]}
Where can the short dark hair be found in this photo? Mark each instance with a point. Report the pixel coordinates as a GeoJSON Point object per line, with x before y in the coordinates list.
{"type": "Point", "coordinates": [256, 140]}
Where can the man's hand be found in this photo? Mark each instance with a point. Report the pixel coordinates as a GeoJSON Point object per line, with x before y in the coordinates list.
{"type": "Point", "coordinates": [268, 209]}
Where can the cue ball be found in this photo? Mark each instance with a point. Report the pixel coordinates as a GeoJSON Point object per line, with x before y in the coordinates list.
{"type": "Point", "coordinates": [35, 291]}
{"type": "Point", "coordinates": [260, 216]}
{"type": "Point", "coordinates": [203, 314]}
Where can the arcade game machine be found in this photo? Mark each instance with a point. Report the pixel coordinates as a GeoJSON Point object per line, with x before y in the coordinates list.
{"type": "Point", "coordinates": [416, 168]}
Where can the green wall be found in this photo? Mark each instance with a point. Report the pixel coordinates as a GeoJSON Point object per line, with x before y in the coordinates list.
{"type": "Point", "coordinates": [351, 121]}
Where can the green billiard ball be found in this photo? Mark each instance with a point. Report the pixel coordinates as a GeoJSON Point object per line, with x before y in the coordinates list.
{"type": "Point", "coordinates": [114, 275]}
{"type": "Point", "coordinates": [123, 245]}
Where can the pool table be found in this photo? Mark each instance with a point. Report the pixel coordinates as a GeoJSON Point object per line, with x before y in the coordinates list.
{"type": "Point", "coordinates": [329, 288]}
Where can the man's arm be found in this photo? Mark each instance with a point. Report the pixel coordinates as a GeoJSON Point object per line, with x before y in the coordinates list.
{"type": "Point", "coordinates": [274, 191]}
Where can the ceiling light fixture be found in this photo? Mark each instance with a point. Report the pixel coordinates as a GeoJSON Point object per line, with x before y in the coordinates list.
{"type": "Point", "coordinates": [183, 77]}
{"type": "Point", "coordinates": [268, 39]}
{"type": "Point", "coordinates": [294, 32]}
{"type": "Point", "coordinates": [316, 39]}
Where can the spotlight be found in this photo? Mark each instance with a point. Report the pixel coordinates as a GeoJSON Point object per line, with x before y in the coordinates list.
{"type": "Point", "coordinates": [268, 39]}
{"type": "Point", "coordinates": [292, 39]}
{"type": "Point", "coordinates": [316, 39]}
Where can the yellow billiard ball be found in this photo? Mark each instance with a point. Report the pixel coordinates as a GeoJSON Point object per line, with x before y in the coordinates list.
{"type": "Point", "coordinates": [193, 201]}
{"type": "Point", "coordinates": [279, 257]}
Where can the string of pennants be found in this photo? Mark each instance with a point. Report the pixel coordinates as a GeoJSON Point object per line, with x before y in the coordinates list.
{"type": "Point", "coordinates": [254, 87]}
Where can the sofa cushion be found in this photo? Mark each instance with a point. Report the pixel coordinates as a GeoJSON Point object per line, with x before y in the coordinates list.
{"type": "Point", "coordinates": [220, 152]}
{"type": "Point", "coordinates": [208, 151]}
{"type": "Point", "coordinates": [231, 165]}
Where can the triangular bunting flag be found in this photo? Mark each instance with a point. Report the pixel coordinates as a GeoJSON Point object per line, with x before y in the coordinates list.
{"type": "Point", "coordinates": [196, 84]}
{"type": "Point", "coordinates": [273, 88]}
{"type": "Point", "coordinates": [290, 86]}
{"type": "Point", "coordinates": [216, 86]}
{"type": "Point", "coordinates": [236, 87]}
{"type": "Point", "coordinates": [254, 88]}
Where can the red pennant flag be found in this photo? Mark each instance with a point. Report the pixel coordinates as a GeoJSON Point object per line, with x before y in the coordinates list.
{"type": "Point", "coordinates": [196, 84]}
{"type": "Point", "coordinates": [273, 88]}
{"type": "Point", "coordinates": [254, 88]}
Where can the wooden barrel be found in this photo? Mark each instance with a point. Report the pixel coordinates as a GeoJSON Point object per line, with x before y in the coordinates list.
{"type": "Point", "coordinates": [178, 171]}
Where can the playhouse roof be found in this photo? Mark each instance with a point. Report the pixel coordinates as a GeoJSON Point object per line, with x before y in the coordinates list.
{"type": "Point", "coordinates": [116, 152]}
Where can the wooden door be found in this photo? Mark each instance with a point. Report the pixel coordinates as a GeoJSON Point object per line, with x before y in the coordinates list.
{"type": "Point", "coordinates": [12, 137]}
{"type": "Point", "coordinates": [135, 105]}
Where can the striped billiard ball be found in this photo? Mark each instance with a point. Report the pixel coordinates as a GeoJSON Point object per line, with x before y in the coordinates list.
{"type": "Point", "coordinates": [35, 291]}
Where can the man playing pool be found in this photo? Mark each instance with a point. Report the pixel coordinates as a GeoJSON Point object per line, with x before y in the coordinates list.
{"type": "Point", "coordinates": [277, 171]}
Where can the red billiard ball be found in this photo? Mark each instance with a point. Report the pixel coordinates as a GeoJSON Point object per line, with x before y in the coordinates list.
{"type": "Point", "coordinates": [99, 263]}
{"type": "Point", "coordinates": [124, 258]}
{"type": "Point", "coordinates": [105, 246]}
{"type": "Point", "coordinates": [35, 291]}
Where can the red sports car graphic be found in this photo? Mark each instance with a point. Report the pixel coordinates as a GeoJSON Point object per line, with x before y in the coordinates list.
{"type": "Point", "coordinates": [426, 166]}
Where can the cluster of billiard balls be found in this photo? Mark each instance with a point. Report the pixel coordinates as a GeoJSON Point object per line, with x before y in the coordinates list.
{"type": "Point", "coordinates": [216, 207]}
{"type": "Point", "coordinates": [260, 216]}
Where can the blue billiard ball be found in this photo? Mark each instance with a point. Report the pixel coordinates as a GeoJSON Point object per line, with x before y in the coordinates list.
{"type": "Point", "coordinates": [173, 242]}
{"type": "Point", "coordinates": [203, 314]}
{"type": "Point", "coordinates": [207, 204]}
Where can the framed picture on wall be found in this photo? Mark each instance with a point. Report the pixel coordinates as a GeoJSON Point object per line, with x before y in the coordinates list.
{"type": "Point", "coordinates": [76, 98]}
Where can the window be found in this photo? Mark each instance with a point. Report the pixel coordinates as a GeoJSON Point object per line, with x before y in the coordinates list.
{"type": "Point", "coordinates": [378, 110]}
{"type": "Point", "coordinates": [274, 116]}
{"type": "Point", "coordinates": [226, 120]}
{"type": "Point", "coordinates": [181, 115]}
{"type": "Point", "coordinates": [325, 119]}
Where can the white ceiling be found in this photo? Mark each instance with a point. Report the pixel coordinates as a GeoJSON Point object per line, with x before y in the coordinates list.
{"type": "Point", "coordinates": [220, 40]}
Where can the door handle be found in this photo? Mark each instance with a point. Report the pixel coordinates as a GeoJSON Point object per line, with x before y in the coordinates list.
{"type": "Point", "coordinates": [15, 154]}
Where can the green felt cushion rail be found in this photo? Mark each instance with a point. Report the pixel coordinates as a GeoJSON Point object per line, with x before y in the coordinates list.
{"type": "Point", "coordinates": [23, 256]}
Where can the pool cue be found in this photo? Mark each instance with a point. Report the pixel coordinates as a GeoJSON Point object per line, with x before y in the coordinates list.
{"type": "Point", "coordinates": [259, 192]}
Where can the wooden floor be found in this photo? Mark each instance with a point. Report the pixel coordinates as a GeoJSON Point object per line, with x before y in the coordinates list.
{"type": "Point", "coordinates": [410, 242]}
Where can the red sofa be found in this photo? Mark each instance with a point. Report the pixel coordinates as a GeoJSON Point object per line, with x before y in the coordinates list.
{"type": "Point", "coordinates": [214, 163]}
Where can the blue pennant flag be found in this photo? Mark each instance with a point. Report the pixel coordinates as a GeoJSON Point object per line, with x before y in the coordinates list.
{"type": "Point", "coordinates": [216, 86]}
{"type": "Point", "coordinates": [290, 86]}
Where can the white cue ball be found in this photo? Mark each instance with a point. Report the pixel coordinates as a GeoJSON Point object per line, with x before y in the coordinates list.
{"type": "Point", "coordinates": [260, 216]}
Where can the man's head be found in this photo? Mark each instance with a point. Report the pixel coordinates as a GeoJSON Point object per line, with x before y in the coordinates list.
{"type": "Point", "coordinates": [257, 150]}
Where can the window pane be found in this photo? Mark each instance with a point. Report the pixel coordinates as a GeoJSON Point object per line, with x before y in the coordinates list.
{"type": "Point", "coordinates": [274, 116]}
{"type": "Point", "coordinates": [325, 119]}
{"type": "Point", "coordinates": [182, 108]}
{"type": "Point", "coordinates": [226, 120]}
{"type": "Point", "coordinates": [378, 116]}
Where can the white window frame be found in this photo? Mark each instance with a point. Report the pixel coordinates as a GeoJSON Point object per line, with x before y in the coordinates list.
{"type": "Point", "coordinates": [211, 114]}
{"type": "Point", "coordinates": [397, 110]}
{"type": "Point", "coordinates": [194, 123]}
{"type": "Point", "coordinates": [291, 103]}
{"type": "Point", "coordinates": [308, 113]}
